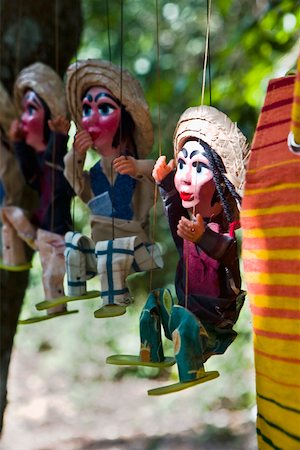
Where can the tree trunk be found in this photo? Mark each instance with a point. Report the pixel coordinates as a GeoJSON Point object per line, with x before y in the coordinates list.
{"type": "Point", "coordinates": [30, 31]}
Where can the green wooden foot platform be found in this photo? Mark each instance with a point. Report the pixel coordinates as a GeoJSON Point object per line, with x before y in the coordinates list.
{"type": "Point", "coordinates": [176, 387]}
{"type": "Point", "coordinates": [37, 319]}
{"type": "Point", "coordinates": [46, 304]}
{"type": "Point", "coordinates": [131, 360]}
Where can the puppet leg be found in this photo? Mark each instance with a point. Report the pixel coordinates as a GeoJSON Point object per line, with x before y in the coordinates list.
{"type": "Point", "coordinates": [81, 265]}
{"type": "Point", "coordinates": [155, 312]}
{"type": "Point", "coordinates": [114, 261]}
{"type": "Point", "coordinates": [51, 250]}
{"type": "Point", "coordinates": [187, 340]}
{"type": "Point", "coordinates": [16, 231]}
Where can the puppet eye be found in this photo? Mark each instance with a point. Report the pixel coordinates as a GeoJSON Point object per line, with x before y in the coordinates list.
{"type": "Point", "coordinates": [86, 110]}
{"type": "Point", "coordinates": [31, 109]}
{"type": "Point", "coordinates": [198, 166]}
{"type": "Point", "coordinates": [106, 109]}
{"type": "Point", "coordinates": [181, 163]}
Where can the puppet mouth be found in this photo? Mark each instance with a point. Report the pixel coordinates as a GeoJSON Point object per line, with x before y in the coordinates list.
{"type": "Point", "coordinates": [94, 133]}
{"type": "Point", "coordinates": [186, 197]}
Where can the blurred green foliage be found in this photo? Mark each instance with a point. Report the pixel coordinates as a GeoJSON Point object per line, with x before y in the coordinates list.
{"type": "Point", "coordinates": [250, 43]}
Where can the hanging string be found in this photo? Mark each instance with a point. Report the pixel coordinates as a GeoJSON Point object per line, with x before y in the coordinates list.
{"type": "Point", "coordinates": [206, 50]}
{"type": "Point", "coordinates": [108, 29]}
{"type": "Point", "coordinates": [209, 65]}
{"type": "Point", "coordinates": [54, 149]}
{"type": "Point", "coordinates": [154, 216]}
{"type": "Point", "coordinates": [18, 43]}
{"type": "Point", "coordinates": [206, 61]}
{"type": "Point", "coordinates": [121, 102]}
{"type": "Point", "coordinates": [73, 212]}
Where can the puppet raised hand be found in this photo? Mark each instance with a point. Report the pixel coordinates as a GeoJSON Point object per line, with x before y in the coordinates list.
{"type": "Point", "coordinates": [125, 165]}
{"type": "Point", "coordinates": [191, 230]}
{"type": "Point", "coordinates": [162, 169]}
{"type": "Point", "coordinates": [59, 124]}
{"type": "Point", "coordinates": [16, 133]}
{"type": "Point", "coordinates": [82, 142]}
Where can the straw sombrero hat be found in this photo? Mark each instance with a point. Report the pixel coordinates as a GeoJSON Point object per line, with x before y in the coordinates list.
{"type": "Point", "coordinates": [46, 83]}
{"type": "Point", "coordinates": [7, 109]}
{"type": "Point", "coordinates": [221, 134]}
{"type": "Point", "coordinates": [82, 75]}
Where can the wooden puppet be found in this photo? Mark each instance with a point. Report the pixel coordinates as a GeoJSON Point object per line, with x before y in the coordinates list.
{"type": "Point", "coordinates": [39, 138]}
{"type": "Point", "coordinates": [270, 220]}
{"type": "Point", "coordinates": [201, 190]}
{"type": "Point", "coordinates": [112, 117]}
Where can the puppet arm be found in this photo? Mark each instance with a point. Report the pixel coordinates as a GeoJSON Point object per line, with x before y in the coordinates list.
{"type": "Point", "coordinates": [136, 168]}
{"type": "Point", "coordinates": [59, 125]}
{"type": "Point", "coordinates": [11, 176]}
{"type": "Point", "coordinates": [76, 176]}
{"type": "Point", "coordinates": [172, 206]}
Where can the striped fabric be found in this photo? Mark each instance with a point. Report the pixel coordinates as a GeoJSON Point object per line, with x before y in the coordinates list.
{"type": "Point", "coordinates": [116, 259]}
{"type": "Point", "coordinates": [81, 263]}
{"type": "Point", "coordinates": [271, 255]}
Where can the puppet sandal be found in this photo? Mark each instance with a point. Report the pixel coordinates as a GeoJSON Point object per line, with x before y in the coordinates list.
{"type": "Point", "coordinates": [110, 310]}
{"type": "Point", "coordinates": [16, 268]}
{"type": "Point", "coordinates": [46, 304]}
{"type": "Point", "coordinates": [132, 360]}
{"type": "Point", "coordinates": [36, 319]}
{"type": "Point", "coordinates": [181, 385]}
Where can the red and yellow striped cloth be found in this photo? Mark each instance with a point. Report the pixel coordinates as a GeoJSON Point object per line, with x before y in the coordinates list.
{"type": "Point", "coordinates": [270, 220]}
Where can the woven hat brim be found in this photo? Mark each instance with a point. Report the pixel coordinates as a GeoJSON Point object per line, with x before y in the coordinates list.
{"type": "Point", "coordinates": [82, 75]}
{"type": "Point", "coordinates": [221, 134]}
{"type": "Point", "coordinates": [46, 83]}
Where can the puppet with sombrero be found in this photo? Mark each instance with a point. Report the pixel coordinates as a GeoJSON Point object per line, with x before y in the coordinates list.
{"type": "Point", "coordinates": [112, 117]}
{"type": "Point", "coordinates": [201, 190]}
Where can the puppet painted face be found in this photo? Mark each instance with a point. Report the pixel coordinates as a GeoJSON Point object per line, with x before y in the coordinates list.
{"type": "Point", "coordinates": [33, 120]}
{"type": "Point", "coordinates": [193, 178]}
{"type": "Point", "coordinates": [101, 117]}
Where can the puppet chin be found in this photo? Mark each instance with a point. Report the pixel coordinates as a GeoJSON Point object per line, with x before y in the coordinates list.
{"type": "Point", "coordinates": [190, 203]}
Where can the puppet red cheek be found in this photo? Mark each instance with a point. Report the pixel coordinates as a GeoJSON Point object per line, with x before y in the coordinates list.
{"type": "Point", "coordinates": [101, 125]}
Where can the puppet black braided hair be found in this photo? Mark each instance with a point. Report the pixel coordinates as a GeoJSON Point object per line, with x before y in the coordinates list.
{"type": "Point", "coordinates": [221, 181]}
{"type": "Point", "coordinates": [126, 128]}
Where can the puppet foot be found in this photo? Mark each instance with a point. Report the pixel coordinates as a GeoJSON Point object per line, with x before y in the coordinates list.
{"type": "Point", "coordinates": [112, 310]}
{"type": "Point", "coordinates": [46, 304]}
{"type": "Point", "coordinates": [36, 319]}
{"type": "Point", "coordinates": [131, 360]}
{"type": "Point", "coordinates": [17, 268]}
{"type": "Point", "coordinates": [176, 387]}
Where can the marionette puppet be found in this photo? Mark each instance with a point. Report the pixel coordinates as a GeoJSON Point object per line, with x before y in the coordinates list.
{"type": "Point", "coordinates": [11, 178]}
{"type": "Point", "coordinates": [201, 191]}
{"type": "Point", "coordinates": [39, 139]}
{"type": "Point", "coordinates": [112, 118]}
{"type": "Point", "coordinates": [270, 219]}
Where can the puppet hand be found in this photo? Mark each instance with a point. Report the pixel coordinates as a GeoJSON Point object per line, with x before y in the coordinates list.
{"type": "Point", "coordinates": [16, 133]}
{"type": "Point", "coordinates": [82, 142]}
{"type": "Point", "coordinates": [59, 125]}
{"type": "Point", "coordinates": [162, 169]}
{"type": "Point", "coordinates": [190, 230]}
{"type": "Point", "coordinates": [125, 165]}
